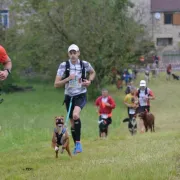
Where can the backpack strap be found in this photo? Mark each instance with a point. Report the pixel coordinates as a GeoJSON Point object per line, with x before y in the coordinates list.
{"type": "Point", "coordinates": [138, 93]}
{"type": "Point", "coordinates": [146, 92]}
{"type": "Point", "coordinates": [67, 70]}
{"type": "Point", "coordinates": [83, 70]}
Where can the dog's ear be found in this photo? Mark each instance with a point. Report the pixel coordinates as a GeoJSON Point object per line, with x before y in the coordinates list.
{"type": "Point", "coordinates": [62, 117]}
{"type": "Point", "coordinates": [55, 119]}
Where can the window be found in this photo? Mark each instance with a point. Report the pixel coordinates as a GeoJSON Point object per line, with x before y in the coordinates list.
{"type": "Point", "coordinates": [4, 18]}
{"type": "Point", "coordinates": [168, 18]}
{"type": "Point", "coordinates": [164, 41]}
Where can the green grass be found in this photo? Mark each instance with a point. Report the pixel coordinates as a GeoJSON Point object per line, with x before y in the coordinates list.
{"type": "Point", "coordinates": [26, 121]}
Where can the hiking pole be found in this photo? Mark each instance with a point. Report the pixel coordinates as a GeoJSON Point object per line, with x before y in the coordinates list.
{"type": "Point", "coordinates": [69, 110]}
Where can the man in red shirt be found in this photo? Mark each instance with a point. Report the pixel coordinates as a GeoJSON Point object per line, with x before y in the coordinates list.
{"type": "Point", "coordinates": [105, 104]}
{"type": "Point", "coordinates": [6, 62]}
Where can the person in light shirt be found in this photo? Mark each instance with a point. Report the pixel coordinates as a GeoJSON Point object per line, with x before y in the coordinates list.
{"type": "Point", "coordinates": [72, 74]}
{"type": "Point", "coordinates": [145, 95]}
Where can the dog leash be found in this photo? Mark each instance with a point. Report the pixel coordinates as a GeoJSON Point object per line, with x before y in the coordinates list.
{"type": "Point", "coordinates": [69, 110]}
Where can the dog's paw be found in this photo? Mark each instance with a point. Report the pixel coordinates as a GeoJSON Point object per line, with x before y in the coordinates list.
{"type": "Point", "coordinates": [56, 148]}
{"type": "Point", "coordinates": [62, 150]}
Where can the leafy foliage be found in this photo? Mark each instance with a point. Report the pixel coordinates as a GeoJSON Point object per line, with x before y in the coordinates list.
{"type": "Point", "coordinates": [104, 31]}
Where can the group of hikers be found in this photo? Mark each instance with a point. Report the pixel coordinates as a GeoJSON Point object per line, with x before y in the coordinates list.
{"type": "Point", "coordinates": [121, 77]}
{"type": "Point", "coordinates": [155, 70]}
{"type": "Point", "coordinates": [126, 75]}
{"type": "Point", "coordinates": [72, 74]}
{"type": "Point", "coordinates": [136, 100]}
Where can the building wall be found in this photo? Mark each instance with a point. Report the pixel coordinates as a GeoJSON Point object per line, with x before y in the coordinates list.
{"type": "Point", "coordinates": [142, 14]}
{"type": "Point", "coordinates": [156, 28]}
{"type": "Point", "coordinates": [6, 12]}
{"type": "Point", "coordinates": [161, 30]}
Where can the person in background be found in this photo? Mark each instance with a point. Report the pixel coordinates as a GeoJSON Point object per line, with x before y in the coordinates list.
{"type": "Point", "coordinates": [168, 72]}
{"type": "Point", "coordinates": [131, 102]}
{"type": "Point", "coordinates": [105, 104]}
{"type": "Point", "coordinates": [147, 73]}
{"type": "Point", "coordinates": [145, 95]}
{"type": "Point", "coordinates": [128, 88]}
{"type": "Point", "coordinates": [6, 62]}
{"type": "Point", "coordinates": [72, 74]}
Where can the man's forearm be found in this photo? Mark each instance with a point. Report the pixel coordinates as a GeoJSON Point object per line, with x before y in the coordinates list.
{"type": "Point", "coordinates": [151, 97]}
{"type": "Point", "coordinates": [8, 64]}
{"type": "Point", "coordinates": [92, 76]}
{"type": "Point", "coordinates": [127, 104]}
{"type": "Point", "coordinates": [61, 82]}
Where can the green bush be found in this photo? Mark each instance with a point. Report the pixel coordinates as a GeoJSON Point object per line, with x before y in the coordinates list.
{"type": "Point", "coordinates": [93, 92]}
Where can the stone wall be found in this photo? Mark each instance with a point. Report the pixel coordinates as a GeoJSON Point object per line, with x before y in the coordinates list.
{"type": "Point", "coordinates": [161, 30]}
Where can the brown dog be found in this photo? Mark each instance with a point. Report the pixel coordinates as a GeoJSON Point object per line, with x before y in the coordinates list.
{"type": "Point", "coordinates": [148, 119]}
{"type": "Point", "coordinates": [60, 136]}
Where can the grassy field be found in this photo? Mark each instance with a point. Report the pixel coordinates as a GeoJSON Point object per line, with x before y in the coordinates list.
{"type": "Point", "coordinates": [26, 125]}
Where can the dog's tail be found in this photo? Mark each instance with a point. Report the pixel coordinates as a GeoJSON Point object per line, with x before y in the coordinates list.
{"type": "Point", "coordinates": [126, 120]}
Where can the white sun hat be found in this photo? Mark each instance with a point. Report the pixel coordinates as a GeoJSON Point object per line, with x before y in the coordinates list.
{"type": "Point", "coordinates": [73, 47]}
{"type": "Point", "coordinates": [142, 83]}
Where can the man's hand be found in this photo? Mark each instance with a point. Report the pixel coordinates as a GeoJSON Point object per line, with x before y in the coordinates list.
{"type": "Point", "coordinates": [132, 106]}
{"type": "Point", "coordinates": [107, 104]}
{"type": "Point", "coordinates": [146, 98]}
{"type": "Point", "coordinates": [71, 77]}
{"type": "Point", "coordinates": [86, 83]}
{"type": "Point", "coordinates": [3, 75]}
{"type": "Point", "coordinates": [135, 106]}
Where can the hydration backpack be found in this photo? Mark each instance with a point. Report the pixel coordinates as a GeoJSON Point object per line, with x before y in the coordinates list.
{"type": "Point", "coordinates": [146, 92]}
{"type": "Point", "coordinates": [67, 71]}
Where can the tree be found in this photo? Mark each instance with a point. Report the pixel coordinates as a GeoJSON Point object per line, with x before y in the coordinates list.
{"type": "Point", "coordinates": [104, 31]}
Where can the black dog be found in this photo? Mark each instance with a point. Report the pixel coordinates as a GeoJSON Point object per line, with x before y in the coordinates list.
{"type": "Point", "coordinates": [175, 77]}
{"type": "Point", "coordinates": [132, 125]}
{"type": "Point", "coordinates": [103, 126]}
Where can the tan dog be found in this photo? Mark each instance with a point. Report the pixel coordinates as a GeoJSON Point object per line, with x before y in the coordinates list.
{"type": "Point", "coordinates": [60, 136]}
{"type": "Point", "coordinates": [149, 120]}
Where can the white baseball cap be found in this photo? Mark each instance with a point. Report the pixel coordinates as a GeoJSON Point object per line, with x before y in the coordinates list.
{"type": "Point", "coordinates": [142, 83]}
{"type": "Point", "coordinates": [73, 47]}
